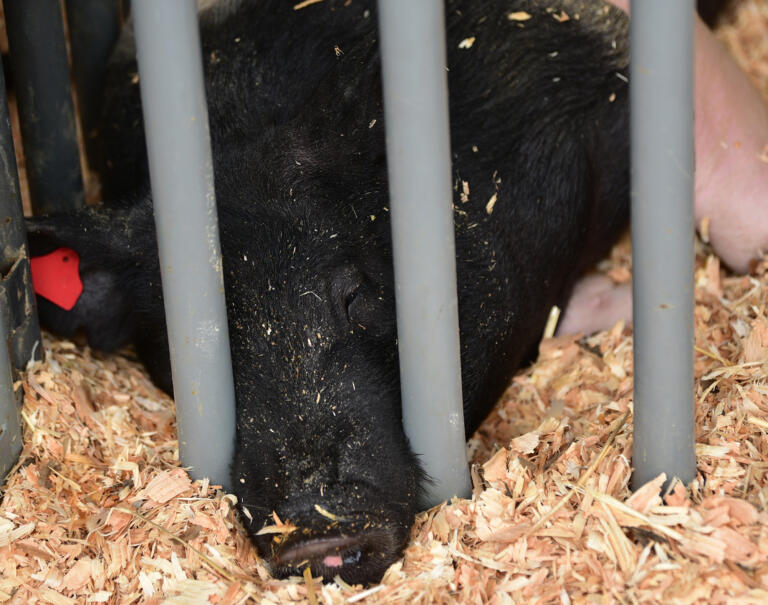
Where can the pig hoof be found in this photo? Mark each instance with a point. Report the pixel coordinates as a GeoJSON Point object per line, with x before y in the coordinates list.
{"type": "Point", "coordinates": [358, 558]}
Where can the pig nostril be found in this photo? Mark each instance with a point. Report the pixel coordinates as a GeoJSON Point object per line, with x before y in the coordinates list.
{"type": "Point", "coordinates": [352, 557]}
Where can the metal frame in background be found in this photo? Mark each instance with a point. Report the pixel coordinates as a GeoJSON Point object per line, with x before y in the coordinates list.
{"type": "Point", "coordinates": [19, 329]}
{"type": "Point", "coordinates": [181, 174]}
{"type": "Point", "coordinates": [413, 55]}
{"type": "Point", "coordinates": [661, 92]}
{"type": "Point", "coordinates": [93, 27]}
{"type": "Point", "coordinates": [10, 406]}
{"type": "Point", "coordinates": [41, 80]}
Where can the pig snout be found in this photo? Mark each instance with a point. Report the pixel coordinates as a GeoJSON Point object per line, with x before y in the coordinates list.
{"type": "Point", "coordinates": [349, 492]}
{"type": "Point", "coordinates": [339, 469]}
{"type": "Point", "coordinates": [358, 549]}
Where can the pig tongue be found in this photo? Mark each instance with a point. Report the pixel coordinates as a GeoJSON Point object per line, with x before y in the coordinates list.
{"type": "Point", "coordinates": [333, 561]}
{"type": "Point", "coordinates": [55, 276]}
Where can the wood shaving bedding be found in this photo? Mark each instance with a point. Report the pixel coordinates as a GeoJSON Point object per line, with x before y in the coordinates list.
{"type": "Point", "coordinates": [98, 511]}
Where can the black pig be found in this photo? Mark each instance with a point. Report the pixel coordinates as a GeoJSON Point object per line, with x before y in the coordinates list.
{"type": "Point", "coordinates": [539, 121]}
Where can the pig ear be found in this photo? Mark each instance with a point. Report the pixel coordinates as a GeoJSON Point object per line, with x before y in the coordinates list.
{"type": "Point", "coordinates": [78, 270]}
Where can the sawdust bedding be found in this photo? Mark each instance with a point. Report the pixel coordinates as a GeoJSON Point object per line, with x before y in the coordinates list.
{"type": "Point", "coordinates": [97, 510]}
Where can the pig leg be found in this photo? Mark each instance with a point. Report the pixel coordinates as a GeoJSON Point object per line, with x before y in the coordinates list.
{"type": "Point", "coordinates": [730, 183]}
{"type": "Point", "coordinates": [596, 303]}
{"type": "Point", "coordinates": [731, 130]}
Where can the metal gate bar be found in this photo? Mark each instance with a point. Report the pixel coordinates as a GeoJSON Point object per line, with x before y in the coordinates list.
{"type": "Point", "coordinates": [181, 174]}
{"type": "Point", "coordinates": [38, 59]}
{"type": "Point", "coordinates": [19, 329]}
{"type": "Point", "coordinates": [93, 29]}
{"type": "Point", "coordinates": [418, 151]}
{"type": "Point", "coordinates": [661, 95]}
{"type": "Point", "coordinates": [421, 205]}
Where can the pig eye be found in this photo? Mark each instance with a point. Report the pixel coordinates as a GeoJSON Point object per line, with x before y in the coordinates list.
{"type": "Point", "coordinates": [362, 308]}
{"type": "Point", "coordinates": [353, 303]}
{"type": "Point", "coordinates": [352, 293]}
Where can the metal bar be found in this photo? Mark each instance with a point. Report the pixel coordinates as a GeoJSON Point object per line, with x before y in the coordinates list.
{"type": "Point", "coordinates": [15, 277]}
{"type": "Point", "coordinates": [38, 58]}
{"type": "Point", "coordinates": [10, 427]}
{"type": "Point", "coordinates": [93, 29]}
{"type": "Point", "coordinates": [662, 236]}
{"type": "Point", "coordinates": [419, 161]}
{"type": "Point", "coordinates": [19, 329]}
{"type": "Point", "coordinates": [181, 173]}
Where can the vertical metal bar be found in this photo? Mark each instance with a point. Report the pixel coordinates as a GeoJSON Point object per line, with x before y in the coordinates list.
{"type": "Point", "coordinates": [181, 172]}
{"type": "Point", "coordinates": [38, 58]}
{"type": "Point", "coordinates": [19, 330]}
{"type": "Point", "coordinates": [662, 235]}
{"type": "Point", "coordinates": [13, 236]}
{"type": "Point", "coordinates": [419, 161]}
{"type": "Point", "coordinates": [10, 429]}
{"type": "Point", "coordinates": [15, 277]}
{"type": "Point", "coordinates": [93, 29]}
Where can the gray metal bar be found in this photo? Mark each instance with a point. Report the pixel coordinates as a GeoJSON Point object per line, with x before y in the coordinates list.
{"type": "Point", "coordinates": [15, 277]}
{"type": "Point", "coordinates": [418, 156]}
{"type": "Point", "coordinates": [38, 58]}
{"type": "Point", "coordinates": [662, 236]}
{"type": "Point", "coordinates": [12, 235]}
{"type": "Point", "coordinates": [19, 330]}
{"type": "Point", "coordinates": [181, 171]}
{"type": "Point", "coordinates": [93, 29]}
{"type": "Point", "coordinates": [10, 429]}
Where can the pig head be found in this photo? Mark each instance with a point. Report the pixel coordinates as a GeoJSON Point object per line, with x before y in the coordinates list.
{"type": "Point", "coordinates": [540, 161]}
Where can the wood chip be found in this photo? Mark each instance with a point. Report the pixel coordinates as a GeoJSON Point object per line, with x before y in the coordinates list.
{"type": "Point", "coordinates": [491, 203]}
{"type": "Point", "coordinates": [166, 486]}
{"type": "Point", "coordinates": [304, 4]}
{"type": "Point", "coordinates": [519, 16]}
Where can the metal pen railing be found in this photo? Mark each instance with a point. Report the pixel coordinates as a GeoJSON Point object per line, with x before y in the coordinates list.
{"type": "Point", "coordinates": [662, 169]}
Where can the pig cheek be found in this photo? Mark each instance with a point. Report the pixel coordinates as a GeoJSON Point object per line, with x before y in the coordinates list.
{"type": "Point", "coordinates": [255, 482]}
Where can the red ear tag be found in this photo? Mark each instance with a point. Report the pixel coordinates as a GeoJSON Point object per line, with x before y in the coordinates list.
{"type": "Point", "coordinates": [55, 276]}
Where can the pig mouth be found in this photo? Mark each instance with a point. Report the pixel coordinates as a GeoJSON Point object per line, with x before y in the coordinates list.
{"type": "Point", "coordinates": [357, 558]}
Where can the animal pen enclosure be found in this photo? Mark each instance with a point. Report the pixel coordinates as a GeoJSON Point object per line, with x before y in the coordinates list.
{"type": "Point", "coordinates": [97, 509]}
